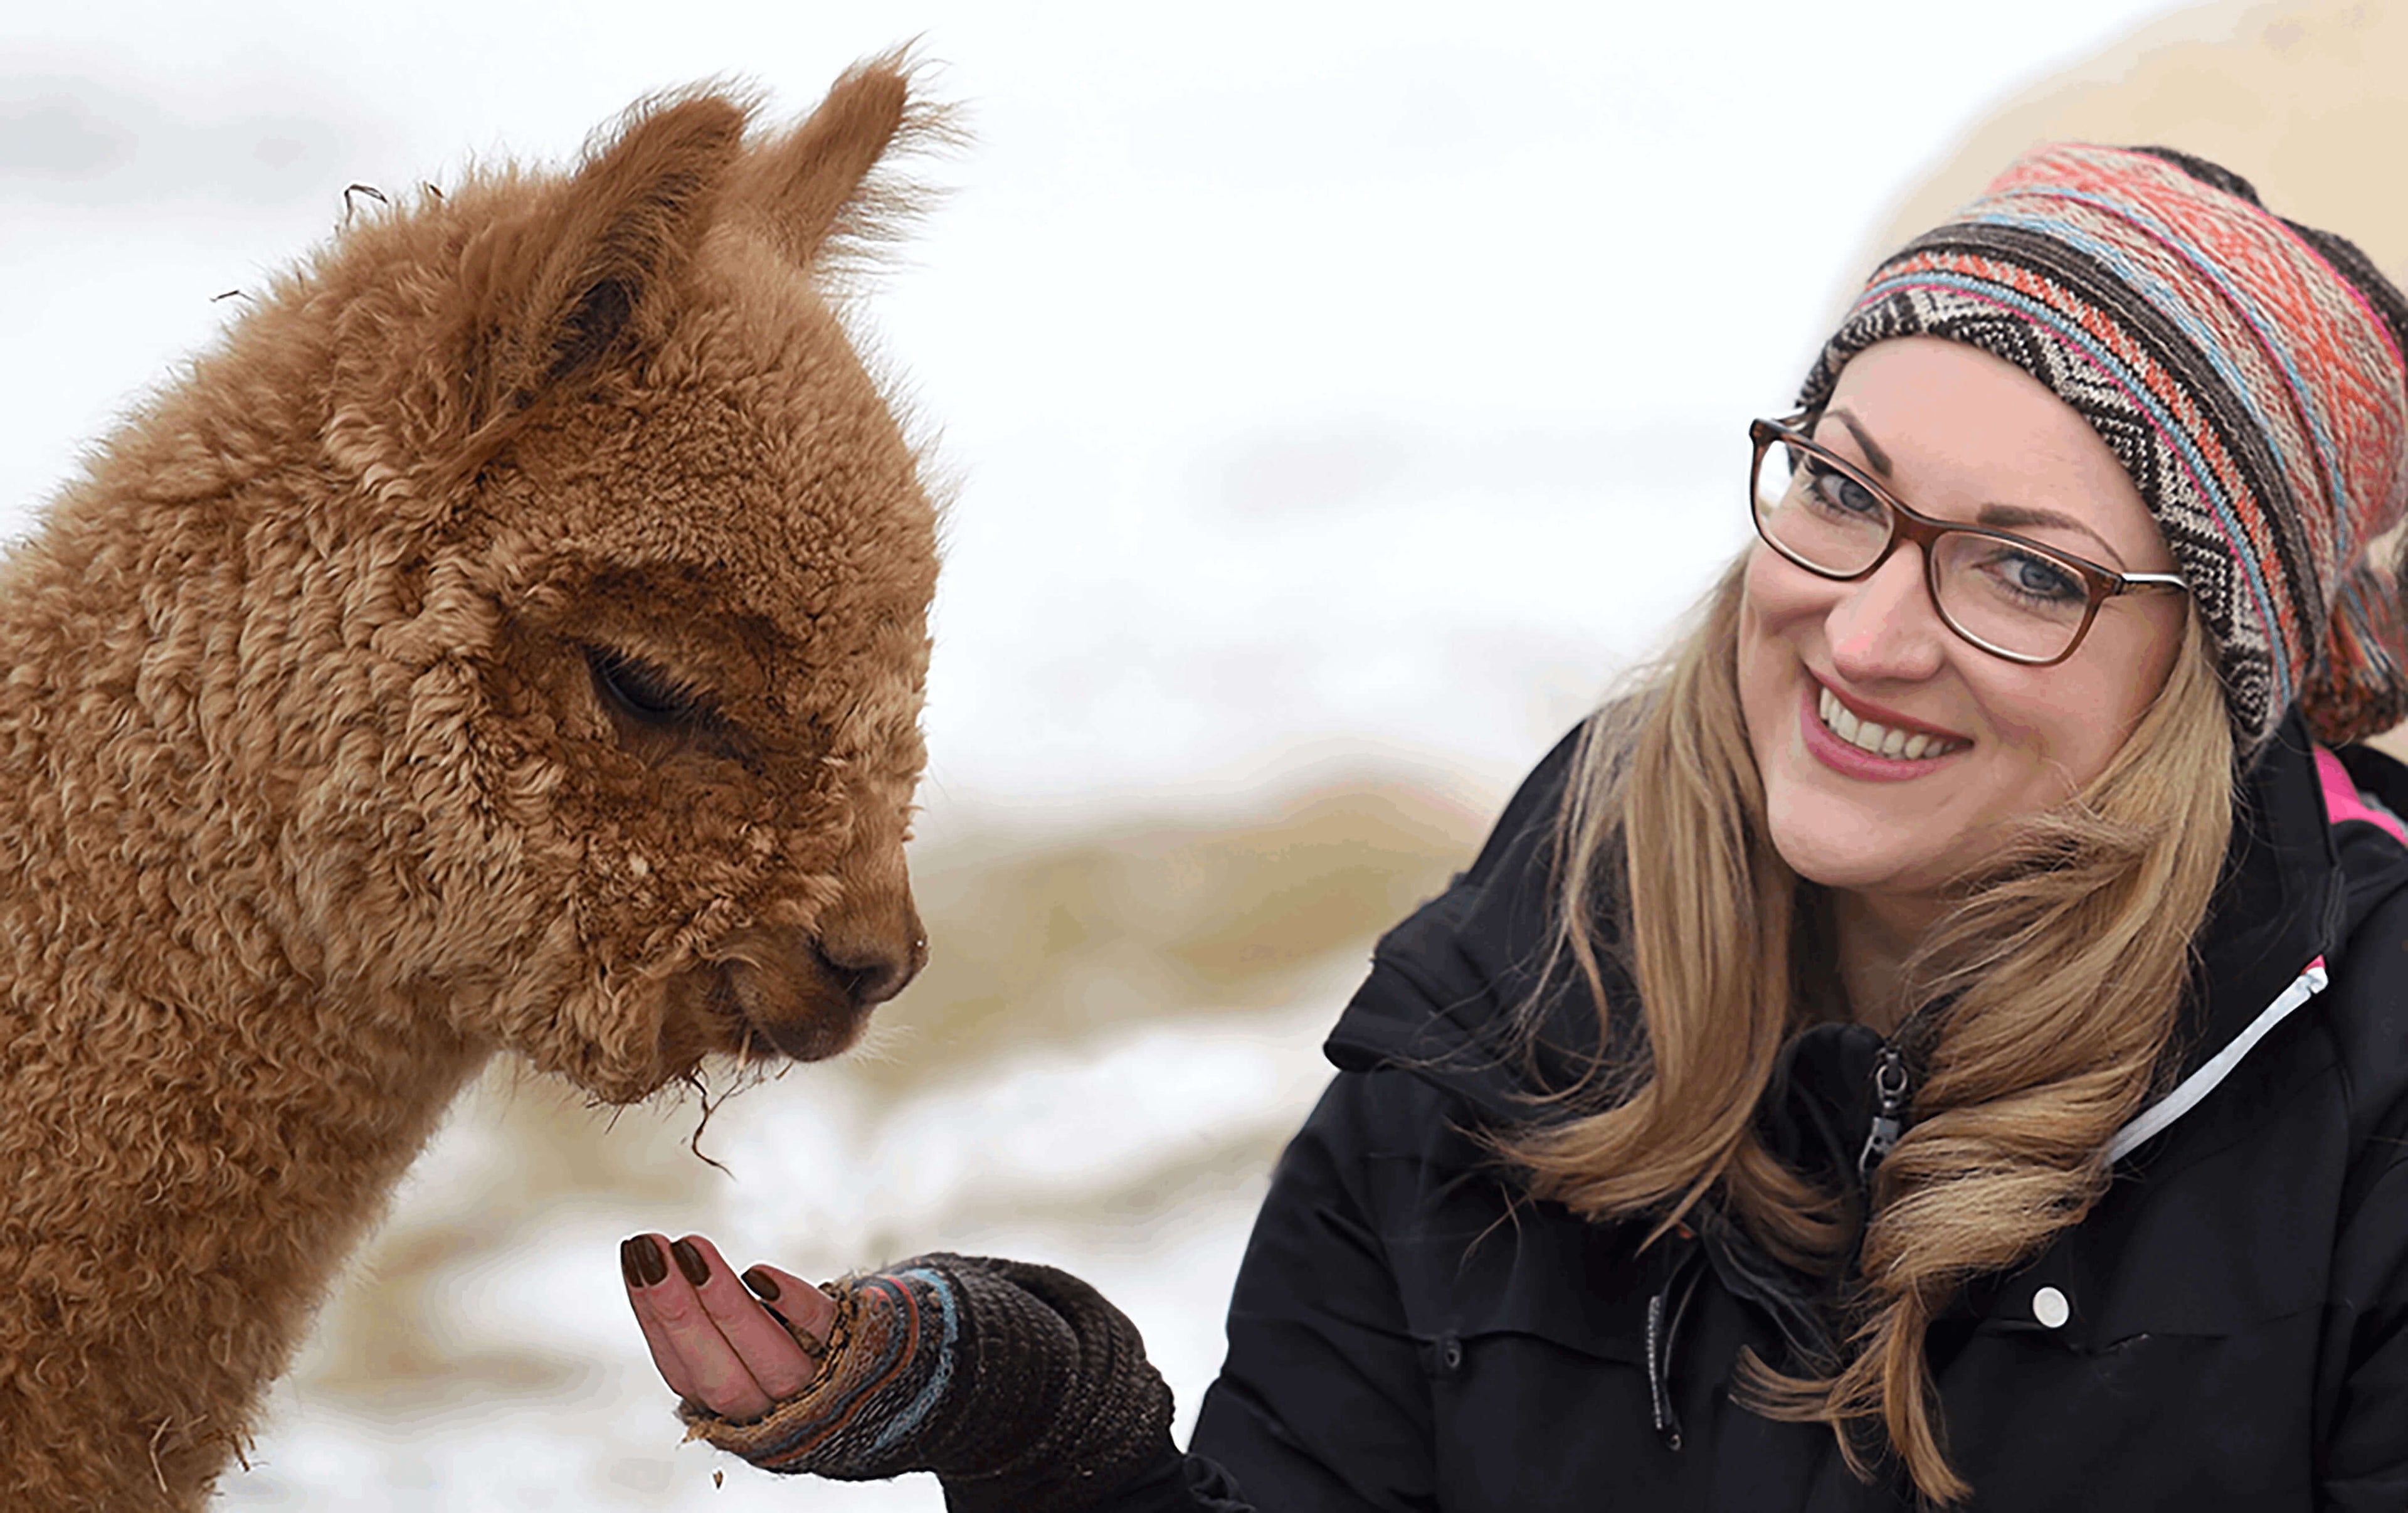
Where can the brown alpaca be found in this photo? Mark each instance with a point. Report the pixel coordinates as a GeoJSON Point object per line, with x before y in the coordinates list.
{"type": "Point", "coordinates": [511, 637]}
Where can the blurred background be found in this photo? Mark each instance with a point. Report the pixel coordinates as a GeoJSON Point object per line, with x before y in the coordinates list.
{"type": "Point", "coordinates": [1334, 400]}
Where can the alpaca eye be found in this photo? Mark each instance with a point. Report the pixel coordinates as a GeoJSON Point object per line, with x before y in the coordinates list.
{"type": "Point", "coordinates": [639, 688]}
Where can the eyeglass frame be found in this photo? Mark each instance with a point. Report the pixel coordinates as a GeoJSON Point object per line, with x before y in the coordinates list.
{"type": "Point", "coordinates": [2100, 584]}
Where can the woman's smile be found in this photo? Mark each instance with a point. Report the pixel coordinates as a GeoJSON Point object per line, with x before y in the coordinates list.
{"type": "Point", "coordinates": [1848, 739]}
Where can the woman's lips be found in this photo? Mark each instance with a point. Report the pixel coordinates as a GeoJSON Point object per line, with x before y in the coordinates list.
{"type": "Point", "coordinates": [1865, 709]}
{"type": "Point", "coordinates": [1850, 760]}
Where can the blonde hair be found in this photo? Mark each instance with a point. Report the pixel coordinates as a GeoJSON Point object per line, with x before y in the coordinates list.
{"type": "Point", "coordinates": [2061, 973]}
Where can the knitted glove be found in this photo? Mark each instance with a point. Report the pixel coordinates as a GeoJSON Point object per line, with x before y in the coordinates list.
{"type": "Point", "coordinates": [1018, 1384]}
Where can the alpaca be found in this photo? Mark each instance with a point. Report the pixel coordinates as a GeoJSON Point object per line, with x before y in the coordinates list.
{"type": "Point", "coordinates": [512, 637]}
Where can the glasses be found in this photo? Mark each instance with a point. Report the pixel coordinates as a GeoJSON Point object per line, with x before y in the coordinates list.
{"type": "Point", "coordinates": [2011, 595]}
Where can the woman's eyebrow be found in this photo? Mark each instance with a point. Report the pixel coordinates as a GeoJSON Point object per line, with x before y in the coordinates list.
{"type": "Point", "coordinates": [2023, 516]}
{"type": "Point", "coordinates": [1873, 453]}
{"type": "Point", "coordinates": [1999, 516]}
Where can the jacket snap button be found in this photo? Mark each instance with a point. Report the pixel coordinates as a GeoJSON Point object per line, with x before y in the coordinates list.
{"type": "Point", "coordinates": [2050, 1308]}
{"type": "Point", "coordinates": [1450, 1353]}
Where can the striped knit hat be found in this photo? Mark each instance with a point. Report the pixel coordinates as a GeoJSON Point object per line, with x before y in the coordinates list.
{"type": "Point", "coordinates": [2247, 371]}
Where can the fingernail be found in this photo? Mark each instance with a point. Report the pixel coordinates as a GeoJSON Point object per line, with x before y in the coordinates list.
{"type": "Point", "coordinates": [690, 1262]}
{"type": "Point", "coordinates": [631, 1267]}
{"type": "Point", "coordinates": [762, 1285]}
{"type": "Point", "coordinates": [648, 1261]}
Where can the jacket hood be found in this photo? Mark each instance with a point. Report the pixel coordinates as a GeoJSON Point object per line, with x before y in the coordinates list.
{"type": "Point", "coordinates": [2314, 848]}
{"type": "Point", "coordinates": [1452, 986]}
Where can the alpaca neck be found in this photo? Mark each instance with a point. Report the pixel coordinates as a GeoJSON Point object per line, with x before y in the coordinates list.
{"type": "Point", "coordinates": [194, 1175]}
{"type": "Point", "coordinates": [202, 1117]}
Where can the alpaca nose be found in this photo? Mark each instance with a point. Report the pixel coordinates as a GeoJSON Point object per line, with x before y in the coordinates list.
{"type": "Point", "coordinates": [872, 970]}
{"type": "Point", "coordinates": [870, 939]}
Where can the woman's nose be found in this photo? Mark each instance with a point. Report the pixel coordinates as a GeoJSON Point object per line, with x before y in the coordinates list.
{"type": "Point", "coordinates": [1885, 626]}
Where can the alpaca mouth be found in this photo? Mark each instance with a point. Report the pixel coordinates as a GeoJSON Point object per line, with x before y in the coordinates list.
{"type": "Point", "coordinates": [814, 1035]}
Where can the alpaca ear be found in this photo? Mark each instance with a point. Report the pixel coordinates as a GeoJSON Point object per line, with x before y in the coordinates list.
{"type": "Point", "coordinates": [812, 185]}
{"type": "Point", "coordinates": [593, 270]}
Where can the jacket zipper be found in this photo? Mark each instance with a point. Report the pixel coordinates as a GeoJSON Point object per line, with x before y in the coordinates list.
{"type": "Point", "coordinates": [1664, 1316]}
{"type": "Point", "coordinates": [1659, 1399]}
{"type": "Point", "coordinates": [1891, 1085]}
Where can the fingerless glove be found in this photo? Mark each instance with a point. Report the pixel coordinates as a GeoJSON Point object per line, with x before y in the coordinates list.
{"type": "Point", "coordinates": [1017, 1384]}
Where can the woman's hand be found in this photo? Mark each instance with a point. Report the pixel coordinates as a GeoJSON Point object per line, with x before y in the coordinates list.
{"type": "Point", "coordinates": [1017, 1384]}
{"type": "Point", "coordinates": [715, 1343]}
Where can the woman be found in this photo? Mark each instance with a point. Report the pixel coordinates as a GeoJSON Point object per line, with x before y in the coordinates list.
{"type": "Point", "coordinates": [1943, 1039]}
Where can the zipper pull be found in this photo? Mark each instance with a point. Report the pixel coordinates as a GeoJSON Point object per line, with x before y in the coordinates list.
{"type": "Point", "coordinates": [1890, 1085]}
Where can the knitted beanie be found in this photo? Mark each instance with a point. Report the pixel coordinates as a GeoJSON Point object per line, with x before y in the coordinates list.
{"type": "Point", "coordinates": [2245, 369]}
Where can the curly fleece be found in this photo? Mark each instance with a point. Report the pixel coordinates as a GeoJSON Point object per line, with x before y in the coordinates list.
{"type": "Point", "coordinates": [320, 781]}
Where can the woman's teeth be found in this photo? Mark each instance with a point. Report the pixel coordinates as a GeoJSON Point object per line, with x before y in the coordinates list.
{"type": "Point", "coordinates": [1880, 738]}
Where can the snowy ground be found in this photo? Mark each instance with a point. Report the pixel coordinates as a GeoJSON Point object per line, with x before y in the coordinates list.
{"type": "Point", "coordinates": [1135, 1161]}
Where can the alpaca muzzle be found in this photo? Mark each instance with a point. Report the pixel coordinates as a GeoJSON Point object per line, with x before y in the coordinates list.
{"type": "Point", "coordinates": [809, 994]}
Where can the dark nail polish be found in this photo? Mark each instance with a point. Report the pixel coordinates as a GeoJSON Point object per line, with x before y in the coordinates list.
{"type": "Point", "coordinates": [690, 1262]}
{"type": "Point", "coordinates": [647, 1260]}
{"type": "Point", "coordinates": [629, 1266]}
{"type": "Point", "coordinates": [763, 1285]}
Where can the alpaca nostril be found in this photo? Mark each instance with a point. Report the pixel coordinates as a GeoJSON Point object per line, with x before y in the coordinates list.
{"type": "Point", "coordinates": [868, 976]}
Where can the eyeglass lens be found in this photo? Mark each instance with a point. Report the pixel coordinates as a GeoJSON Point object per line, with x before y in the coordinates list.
{"type": "Point", "coordinates": [2004, 596]}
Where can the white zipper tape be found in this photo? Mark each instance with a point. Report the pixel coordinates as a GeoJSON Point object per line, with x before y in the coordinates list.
{"type": "Point", "coordinates": [2202, 1082]}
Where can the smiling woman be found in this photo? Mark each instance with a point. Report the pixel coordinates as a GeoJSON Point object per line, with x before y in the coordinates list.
{"type": "Point", "coordinates": [1865, 1067]}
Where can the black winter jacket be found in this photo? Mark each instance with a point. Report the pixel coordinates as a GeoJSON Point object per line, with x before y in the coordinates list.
{"type": "Point", "coordinates": [2229, 1328]}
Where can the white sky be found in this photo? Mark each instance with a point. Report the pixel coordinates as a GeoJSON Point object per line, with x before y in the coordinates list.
{"type": "Point", "coordinates": [1323, 383]}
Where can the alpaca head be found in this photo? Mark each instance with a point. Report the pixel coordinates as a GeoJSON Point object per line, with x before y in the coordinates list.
{"type": "Point", "coordinates": [620, 596]}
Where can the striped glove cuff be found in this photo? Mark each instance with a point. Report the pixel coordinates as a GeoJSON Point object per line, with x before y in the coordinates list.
{"type": "Point", "coordinates": [1017, 1384]}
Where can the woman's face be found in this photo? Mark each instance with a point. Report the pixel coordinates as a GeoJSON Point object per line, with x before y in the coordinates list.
{"type": "Point", "coordinates": [1960, 436]}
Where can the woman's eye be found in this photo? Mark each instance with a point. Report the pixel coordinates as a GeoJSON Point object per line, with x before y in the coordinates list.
{"type": "Point", "coordinates": [1838, 490]}
{"type": "Point", "coordinates": [2038, 577]}
{"type": "Point", "coordinates": [641, 689]}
